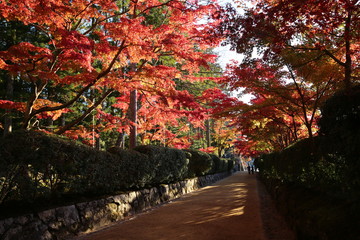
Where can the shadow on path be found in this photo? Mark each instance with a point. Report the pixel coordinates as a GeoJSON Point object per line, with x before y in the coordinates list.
{"type": "Point", "coordinates": [229, 209]}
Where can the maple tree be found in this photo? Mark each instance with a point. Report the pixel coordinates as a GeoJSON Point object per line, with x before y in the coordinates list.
{"type": "Point", "coordinates": [101, 49]}
{"type": "Point", "coordinates": [298, 92]}
{"type": "Point", "coordinates": [327, 28]}
{"type": "Point", "coordinates": [223, 133]}
{"type": "Point", "coordinates": [285, 104]}
{"type": "Point", "coordinates": [307, 50]}
{"type": "Point", "coordinates": [13, 33]}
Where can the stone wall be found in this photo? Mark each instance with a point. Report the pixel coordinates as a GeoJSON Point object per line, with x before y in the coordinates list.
{"type": "Point", "coordinates": [68, 221]}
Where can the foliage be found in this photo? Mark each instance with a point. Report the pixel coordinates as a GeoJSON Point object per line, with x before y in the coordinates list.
{"type": "Point", "coordinates": [323, 28]}
{"type": "Point", "coordinates": [313, 214]}
{"type": "Point", "coordinates": [286, 99]}
{"type": "Point", "coordinates": [38, 167]}
{"type": "Point", "coordinates": [78, 67]}
{"type": "Point", "coordinates": [168, 164]}
{"type": "Point", "coordinates": [341, 113]}
{"type": "Point", "coordinates": [297, 54]}
{"type": "Point", "coordinates": [327, 163]}
{"type": "Point", "coordinates": [200, 163]}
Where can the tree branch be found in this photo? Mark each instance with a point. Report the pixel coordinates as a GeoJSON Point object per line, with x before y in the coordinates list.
{"type": "Point", "coordinates": [87, 87]}
{"type": "Point", "coordinates": [85, 114]}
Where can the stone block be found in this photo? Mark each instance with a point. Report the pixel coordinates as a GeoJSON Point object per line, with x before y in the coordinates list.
{"type": "Point", "coordinates": [154, 196]}
{"type": "Point", "coordinates": [5, 224]}
{"type": "Point", "coordinates": [22, 220]}
{"type": "Point", "coordinates": [47, 216]}
{"type": "Point", "coordinates": [14, 233]}
{"type": "Point", "coordinates": [122, 198]}
{"type": "Point", "coordinates": [67, 215]}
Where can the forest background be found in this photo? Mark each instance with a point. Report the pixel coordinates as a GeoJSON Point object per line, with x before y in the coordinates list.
{"type": "Point", "coordinates": [114, 74]}
{"type": "Point", "coordinates": [102, 71]}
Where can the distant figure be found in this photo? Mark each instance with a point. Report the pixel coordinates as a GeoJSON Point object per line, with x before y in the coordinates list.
{"type": "Point", "coordinates": [248, 168]}
{"type": "Point", "coordinates": [252, 169]}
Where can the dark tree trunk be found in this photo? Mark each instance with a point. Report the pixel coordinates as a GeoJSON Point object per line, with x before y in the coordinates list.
{"type": "Point", "coordinates": [120, 141]}
{"type": "Point", "coordinates": [9, 96]}
{"type": "Point", "coordinates": [133, 118]}
{"type": "Point", "coordinates": [208, 135]}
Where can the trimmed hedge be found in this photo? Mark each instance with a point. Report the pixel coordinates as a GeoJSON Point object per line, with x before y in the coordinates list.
{"type": "Point", "coordinates": [216, 165]}
{"type": "Point", "coordinates": [37, 167]}
{"type": "Point", "coordinates": [316, 182]}
{"type": "Point", "coordinates": [314, 215]}
{"type": "Point", "coordinates": [341, 113]}
{"type": "Point", "coordinates": [33, 165]}
{"type": "Point", "coordinates": [230, 165]}
{"type": "Point", "coordinates": [134, 169]}
{"type": "Point", "coordinates": [329, 162]}
{"type": "Point", "coordinates": [168, 164]}
{"type": "Point", "coordinates": [310, 164]}
{"type": "Point", "coordinates": [200, 163]}
{"type": "Point", "coordinates": [318, 190]}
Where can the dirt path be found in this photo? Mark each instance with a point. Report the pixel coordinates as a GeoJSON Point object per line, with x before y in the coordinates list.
{"type": "Point", "coordinates": [229, 209]}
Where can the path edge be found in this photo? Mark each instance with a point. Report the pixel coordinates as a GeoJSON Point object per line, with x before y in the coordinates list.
{"type": "Point", "coordinates": [86, 217]}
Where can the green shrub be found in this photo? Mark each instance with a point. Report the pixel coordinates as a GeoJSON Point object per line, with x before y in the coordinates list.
{"type": "Point", "coordinates": [133, 169]}
{"type": "Point", "coordinates": [322, 164]}
{"type": "Point", "coordinates": [168, 164]}
{"type": "Point", "coordinates": [230, 164]}
{"type": "Point", "coordinates": [223, 165]}
{"type": "Point", "coordinates": [96, 172]}
{"type": "Point", "coordinates": [200, 163]}
{"type": "Point", "coordinates": [216, 163]}
{"type": "Point", "coordinates": [341, 113]}
{"type": "Point", "coordinates": [36, 166]}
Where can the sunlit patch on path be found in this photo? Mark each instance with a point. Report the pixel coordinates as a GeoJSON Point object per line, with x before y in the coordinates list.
{"type": "Point", "coordinates": [228, 209]}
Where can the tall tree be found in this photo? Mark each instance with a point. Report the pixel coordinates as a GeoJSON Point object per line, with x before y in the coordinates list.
{"type": "Point", "coordinates": [296, 91]}
{"type": "Point", "coordinates": [328, 28]}
{"type": "Point", "coordinates": [13, 32]}
{"type": "Point", "coordinates": [90, 44]}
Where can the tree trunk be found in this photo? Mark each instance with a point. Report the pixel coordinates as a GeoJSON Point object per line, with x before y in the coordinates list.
{"type": "Point", "coordinates": [9, 96]}
{"type": "Point", "coordinates": [120, 141]}
{"type": "Point", "coordinates": [62, 120]}
{"type": "Point", "coordinates": [348, 61]}
{"type": "Point", "coordinates": [50, 121]}
{"type": "Point", "coordinates": [133, 118]}
{"type": "Point", "coordinates": [37, 88]}
{"type": "Point", "coordinates": [98, 144]}
{"type": "Point", "coordinates": [208, 135]}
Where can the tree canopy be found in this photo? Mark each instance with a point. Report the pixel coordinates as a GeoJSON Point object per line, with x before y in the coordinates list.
{"type": "Point", "coordinates": [95, 70]}
{"type": "Point", "coordinates": [93, 53]}
{"type": "Point", "coordinates": [297, 54]}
